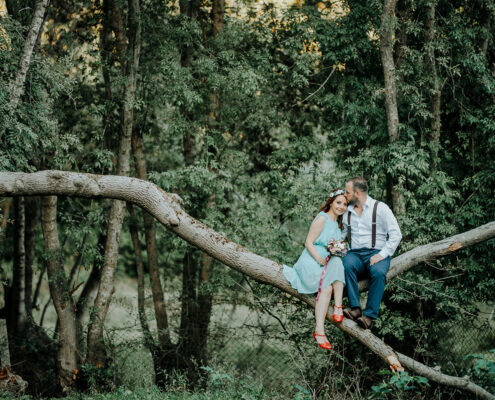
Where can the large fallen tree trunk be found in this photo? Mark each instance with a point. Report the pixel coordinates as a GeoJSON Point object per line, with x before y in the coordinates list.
{"type": "Point", "coordinates": [167, 209]}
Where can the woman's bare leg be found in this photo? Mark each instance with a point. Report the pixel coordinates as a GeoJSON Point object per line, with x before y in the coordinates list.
{"type": "Point", "coordinates": [338, 290]}
{"type": "Point", "coordinates": [321, 310]}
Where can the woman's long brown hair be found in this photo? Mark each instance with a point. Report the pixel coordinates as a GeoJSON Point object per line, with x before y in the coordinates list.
{"type": "Point", "coordinates": [326, 206]}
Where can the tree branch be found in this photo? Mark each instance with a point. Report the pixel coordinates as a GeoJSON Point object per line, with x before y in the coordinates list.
{"type": "Point", "coordinates": [167, 209]}
{"type": "Point", "coordinates": [430, 251]}
{"type": "Point", "coordinates": [27, 52]}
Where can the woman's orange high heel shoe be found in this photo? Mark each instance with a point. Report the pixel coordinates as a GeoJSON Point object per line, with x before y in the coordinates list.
{"type": "Point", "coordinates": [337, 317]}
{"type": "Point", "coordinates": [325, 345]}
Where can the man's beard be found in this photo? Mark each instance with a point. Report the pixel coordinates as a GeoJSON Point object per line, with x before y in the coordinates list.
{"type": "Point", "coordinates": [352, 201]}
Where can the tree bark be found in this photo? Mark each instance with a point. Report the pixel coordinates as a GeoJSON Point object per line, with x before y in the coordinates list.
{"type": "Point", "coordinates": [387, 55]}
{"type": "Point", "coordinates": [4, 345]}
{"type": "Point", "coordinates": [218, 12]}
{"type": "Point", "coordinates": [67, 355]}
{"type": "Point", "coordinates": [32, 220]}
{"type": "Point", "coordinates": [431, 251]}
{"type": "Point", "coordinates": [149, 228]}
{"type": "Point", "coordinates": [436, 123]}
{"type": "Point", "coordinates": [86, 299]}
{"type": "Point", "coordinates": [34, 300]}
{"type": "Point", "coordinates": [487, 25]}
{"type": "Point", "coordinates": [5, 217]}
{"type": "Point", "coordinates": [96, 352]}
{"type": "Point", "coordinates": [148, 337]}
{"type": "Point", "coordinates": [167, 209]}
{"type": "Point", "coordinates": [17, 318]}
{"type": "Point", "coordinates": [189, 8]}
{"type": "Point", "coordinates": [205, 302]}
{"type": "Point", "coordinates": [106, 50]}
{"type": "Point", "coordinates": [27, 52]}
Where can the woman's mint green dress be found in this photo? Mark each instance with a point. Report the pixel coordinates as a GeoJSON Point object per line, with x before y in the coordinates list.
{"type": "Point", "coordinates": [306, 273]}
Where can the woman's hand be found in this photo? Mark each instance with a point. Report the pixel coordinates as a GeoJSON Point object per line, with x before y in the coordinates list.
{"type": "Point", "coordinates": [313, 233]}
{"type": "Point", "coordinates": [322, 261]}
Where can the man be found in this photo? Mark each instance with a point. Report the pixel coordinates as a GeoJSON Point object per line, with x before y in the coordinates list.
{"type": "Point", "coordinates": [370, 249]}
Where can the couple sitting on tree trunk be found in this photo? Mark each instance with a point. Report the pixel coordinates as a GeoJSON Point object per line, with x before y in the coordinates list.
{"type": "Point", "coordinates": [326, 265]}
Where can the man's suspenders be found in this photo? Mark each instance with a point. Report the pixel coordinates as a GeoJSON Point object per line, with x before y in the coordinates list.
{"type": "Point", "coordinates": [373, 226]}
{"type": "Point", "coordinates": [349, 229]}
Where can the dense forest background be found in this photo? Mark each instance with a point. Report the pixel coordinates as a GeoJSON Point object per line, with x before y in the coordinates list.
{"type": "Point", "coordinates": [251, 112]}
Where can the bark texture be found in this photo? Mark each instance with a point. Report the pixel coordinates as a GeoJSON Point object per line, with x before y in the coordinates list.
{"type": "Point", "coordinates": [67, 355]}
{"type": "Point", "coordinates": [167, 209]}
{"type": "Point", "coordinates": [32, 220]}
{"type": "Point", "coordinates": [436, 123]}
{"type": "Point", "coordinates": [217, 12]}
{"type": "Point", "coordinates": [27, 52]}
{"type": "Point", "coordinates": [390, 90]}
{"type": "Point", "coordinates": [17, 317]}
{"type": "Point", "coordinates": [4, 345]}
{"type": "Point", "coordinates": [148, 338]}
{"type": "Point", "coordinates": [6, 206]}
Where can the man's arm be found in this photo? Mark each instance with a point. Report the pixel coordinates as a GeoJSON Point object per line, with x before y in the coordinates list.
{"type": "Point", "coordinates": [393, 230]}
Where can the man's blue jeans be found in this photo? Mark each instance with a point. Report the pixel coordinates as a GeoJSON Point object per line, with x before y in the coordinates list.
{"type": "Point", "coordinates": [357, 266]}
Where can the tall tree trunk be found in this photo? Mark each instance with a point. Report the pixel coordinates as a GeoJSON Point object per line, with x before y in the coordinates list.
{"type": "Point", "coordinates": [87, 297]}
{"type": "Point", "coordinates": [106, 50]}
{"type": "Point", "coordinates": [96, 349]}
{"type": "Point", "coordinates": [490, 9]}
{"type": "Point", "coordinates": [205, 298]}
{"type": "Point", "coordinates": [387, 54]}
{"type": "Point", "coordinates": [196, 306]}
{"type": "Point", "coordinates": [205, 302]}
{"type": "Point", "coordinates": [149, 227]}
{"type": "Point", "coordinates": [187, 347]}
{"type": "Point", "coordinates": [6, 206]}
{"type": "Point", "coordinates": [218, 13]}
{"type": "Point", "coordinates": [32, 220]}
{"type": "Point", "coordinates": [148, 337]}
{"type": "Point", "coordinates": [436, 124]}
{"type": "Point", "coordinates": [17, 317]}
{"type": "Point", "coordinates": [27, 52]}
{"type": "Point", "coordinates": [67, 354]}
{"type": "Point", "coordinates": [4, 345]}
{"type": "Point", "coordinates": [189, 8]}
{"type": "Point", "coordinates": [34, 300]}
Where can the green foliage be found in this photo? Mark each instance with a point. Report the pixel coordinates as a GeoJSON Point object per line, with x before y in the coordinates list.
{"type": "Point", "coordinates": [483, 368]}
{"type": "Point", "coordinates": [401, 385]}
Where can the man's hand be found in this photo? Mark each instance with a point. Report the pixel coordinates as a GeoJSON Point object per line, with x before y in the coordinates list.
{"type": "Point", "coordinates": [375, 259]}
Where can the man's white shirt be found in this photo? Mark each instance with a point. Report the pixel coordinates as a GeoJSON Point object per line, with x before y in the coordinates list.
{"type": "Point", "coordinates": [386, 224]}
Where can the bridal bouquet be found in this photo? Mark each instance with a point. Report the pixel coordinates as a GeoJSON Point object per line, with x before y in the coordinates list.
{"type": "Point", "coordinates": [337, 248]}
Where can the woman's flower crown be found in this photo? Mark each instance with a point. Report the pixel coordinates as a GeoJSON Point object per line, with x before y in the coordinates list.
{"type": "Point", "coordinates": [337, 193]}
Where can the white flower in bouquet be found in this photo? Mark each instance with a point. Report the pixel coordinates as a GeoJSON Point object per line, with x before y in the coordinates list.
{"type": "Point", "coordinates": [337, 248]}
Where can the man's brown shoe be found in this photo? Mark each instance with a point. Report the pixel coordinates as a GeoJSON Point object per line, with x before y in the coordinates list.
{"type": "Point", "coordinates": [365, 322]}
{"type": "Point", "coordinates": [352, 313]}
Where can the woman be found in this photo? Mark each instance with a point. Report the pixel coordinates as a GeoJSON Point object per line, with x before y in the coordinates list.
{"type": "Point", "coordinates": [309, 275]}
